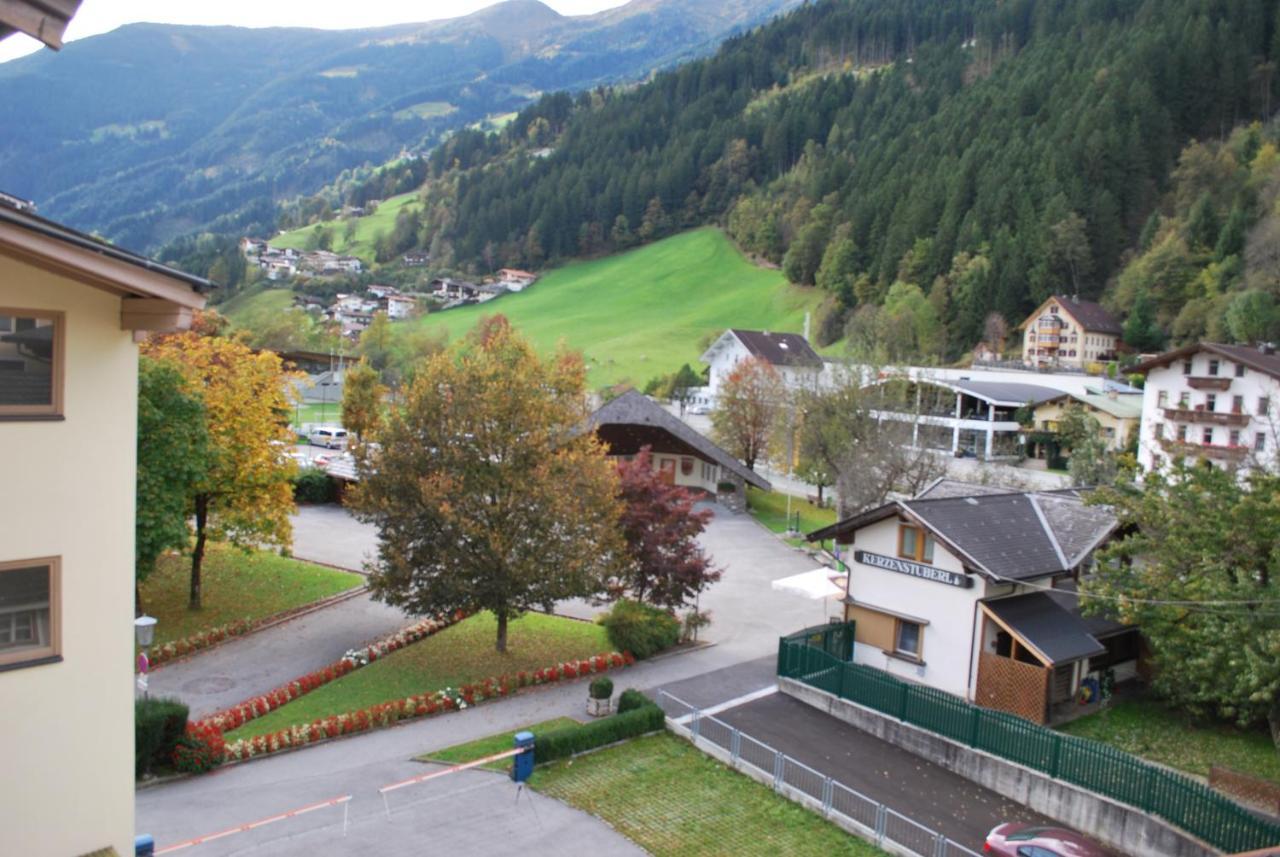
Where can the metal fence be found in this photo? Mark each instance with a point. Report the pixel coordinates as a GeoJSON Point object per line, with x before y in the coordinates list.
{"type": "Point", "coordinates": [1091, 765]}
{"type": "Point", "coordinates": [813, 789]}
{"type": "Point", "coordinates": [834, 638]}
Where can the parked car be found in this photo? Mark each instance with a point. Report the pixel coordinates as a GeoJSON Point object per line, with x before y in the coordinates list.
{"type": "Point", "coordinates": [1019, 839]}
{"type": "Point", "coordinates": [330, 437]}
{"type": "Point", "coordinates": [700, 408]}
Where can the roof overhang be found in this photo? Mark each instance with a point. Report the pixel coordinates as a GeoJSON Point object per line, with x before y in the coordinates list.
{"type": "Point", "coordinates": [45, 20]}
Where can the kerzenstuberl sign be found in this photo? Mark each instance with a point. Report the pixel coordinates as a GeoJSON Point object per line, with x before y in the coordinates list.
{"type": "Point", "coordinates": [914, 569]}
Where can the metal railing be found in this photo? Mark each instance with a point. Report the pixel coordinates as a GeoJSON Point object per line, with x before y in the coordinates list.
{"type": "Point", "coordinates": [849, 808]}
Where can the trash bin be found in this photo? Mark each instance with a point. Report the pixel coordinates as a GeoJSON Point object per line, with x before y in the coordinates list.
{"type": "Point", "coordinates": [144, 845]}
{"type": "Point", "coordinates": [523, 767]}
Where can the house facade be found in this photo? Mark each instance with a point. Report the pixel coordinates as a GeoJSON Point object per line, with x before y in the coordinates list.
{"type": "Point", "coordinates": [790, 355]}
{"type": "Point", "coordinates": [976, 596]}
{"type": "Point", "coordinates": [1066, 332]}
{"type": "Point", "coordinates": [70, 308]}
{"type": "Point", "coordinates": [1211, 402]}
{"type": "Point", "coordinates": [1116, 407]}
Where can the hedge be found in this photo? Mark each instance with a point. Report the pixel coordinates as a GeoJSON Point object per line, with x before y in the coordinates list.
{"type": "Point", "coordinates": [640, 629]}
{"type": "Point", "coordinates": [158, 724]}
{"type": "Point", "coordinates": [631, 699]}
{"type": "Point", "coordinates": [562, 743]}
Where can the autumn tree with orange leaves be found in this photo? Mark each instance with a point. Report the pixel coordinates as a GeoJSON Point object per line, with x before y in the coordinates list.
{"type": "Point", "coordinates": [486, 492]}
{"type": "Point", "coordinates": [747, 409]}
{"type": "Point", "coordinates": [244, 497]}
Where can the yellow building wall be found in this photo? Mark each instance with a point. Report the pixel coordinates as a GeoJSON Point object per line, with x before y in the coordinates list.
{"type": "Point", "coordinates": [67, 728]}
{"type": "Point", "coordinates": [1048, 415]}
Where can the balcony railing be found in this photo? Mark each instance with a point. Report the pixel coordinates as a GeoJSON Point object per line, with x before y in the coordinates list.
{"type": "Point", "coordinates": [1209, 450]}
{"type": "Point", "coordinates": [1211, 382]}
{"type": "Point", "coordinates": [1216, 418]}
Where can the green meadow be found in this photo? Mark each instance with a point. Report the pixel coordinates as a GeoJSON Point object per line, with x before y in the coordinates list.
{"type": "Point", "coordinates": [367, 230]}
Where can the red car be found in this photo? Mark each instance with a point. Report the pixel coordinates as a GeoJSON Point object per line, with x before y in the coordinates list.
{"type": "Point", "coordinates": [1026, 840]}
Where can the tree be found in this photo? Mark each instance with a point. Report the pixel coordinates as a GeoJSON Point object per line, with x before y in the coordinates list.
{"type": "Point", "coordinates": [173, 448]}
{"type": "Point", "coordinates": [664, 564]}
{"type": "Point", "coordinates": [376, 341]}
{"type": "Point", "coordinates": [1252, 316]}
{"type": "Point", "coordinates": [1196, 568]}
{"type": "Point", "coordinates": [1091, 463]}
{"type": "Point", "coordinates": [244, 496]}
{"type": "Point", "coordinates": [1141, 332]}
{"type": "Point", "coordinates": [486, 493]}
{"type": "Point", "coordinates": [362, 394]}
{"type": "Point", "coordinates": [747, 409]}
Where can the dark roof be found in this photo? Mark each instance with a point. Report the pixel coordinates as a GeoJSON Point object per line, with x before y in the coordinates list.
{"type": "Point", "coordinates": [635, 408]}
{"type": "Point", "coordinates": [1262, 358]}
{"type": "Point", "coordinates": [26, 218]}
{"type": "Point", "coordinates": [1002, 392]}
{"type": "Point", "coordinates": [780, 349]}
{"type": "Point", "coordinates": [1064, 592]}
{"type": "Point", "coordinates": [1052, 630]}
{"type": "Point", "coordinates": [944, 487]}
{"type": "Point", "coordinates": [44, 20]}
{"type": "Point", "coordinates": [1011, 536]}
{"type": "Point", "coordinates": [1090, 315]}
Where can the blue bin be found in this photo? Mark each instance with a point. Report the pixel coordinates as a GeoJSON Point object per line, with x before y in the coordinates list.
{"type": "Point", "coordinates": [144, 845]}
{"type": "Point", "coordinates": [523, 767]}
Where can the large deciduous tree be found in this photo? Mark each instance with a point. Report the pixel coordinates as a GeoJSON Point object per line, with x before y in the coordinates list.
{"type": "Point", "coordinates": [244, 495]}
{"type": "Point", "coordinates": [747, 409]}
{"type": "Point", "coordinates": [173, 445]}
{"type": "Point", "coordinates": [486, 492]}
{"type": "Point", "coordinates": [1199, 570]}
{"type": "Point", "coordinates": [362, 395]}
{"type": "Point", "coordinates": [664, 564]}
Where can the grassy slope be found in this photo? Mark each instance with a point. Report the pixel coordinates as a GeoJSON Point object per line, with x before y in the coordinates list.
{"type": "Point", "coordinates": [237, 585]}
{"type": "Point", "coordinates": [770, 509]}
{"type": "Point", "coordinates": [482, 747]}
{"type": "Point", "coordinates": [458, 655]}
{"type": "Point", "coordinates": [1147, 728]}
{"type": "Point", "coordinates": [367, 230]}
{"type": "Point", "coordinates": [670, 799]}
{"type": "Point", "coordinates": [643, 313]}
{"type": "Point", "coordinates": [256, 304]}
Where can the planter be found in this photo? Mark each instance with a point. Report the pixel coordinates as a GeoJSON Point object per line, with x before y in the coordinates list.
{"type": "Point", "coordinates": [599, 707]}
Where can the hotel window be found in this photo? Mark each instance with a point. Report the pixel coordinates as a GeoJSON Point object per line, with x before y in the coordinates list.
{"type": "Point", "coordinates": [1162, 398]}
{"type": "Point", "coordinates": [906, 639]}
{"type": "Point", "coordinates": [1234, 437]}
{"type": "Point", "coordinates": [1211, 402]}
{"type": "Point", "coordinates": [1237, 404]}
{"type": "Point", "coordinates": [1264, 405]}
{"type": "Point", "coordinates": [1182, 434]}
{"type": "Point", "coordinates": [1207, 436]}
{"type": "Point", "coordinates": [29, 615]}
{"type": "Point", "coordinates": [1239, 370]}
{"type": "Point", "coordinates": [1186, 367]}
{"type": "Point", "coordinates": [915, 543]}
{"type": "Point", "coordinates": [1213, 367]}
{"type": "Point", "coordinates": [31, 348]}
{"type": "Point", "coordinates": [1184, 400]}
{"type": "Point", "coordinates": [1260, 442]}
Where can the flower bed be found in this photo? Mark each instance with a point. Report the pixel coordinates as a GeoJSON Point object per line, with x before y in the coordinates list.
{"type": "Point", "coordinates": [421, 705]}
{"type": "Point", "coordinates": [237, 715]}
{"type": "Point", "coordinates": [203, 640]}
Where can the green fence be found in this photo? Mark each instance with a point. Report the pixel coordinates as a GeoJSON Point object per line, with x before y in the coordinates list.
{"type": "Point", "coordinates": [834, 638]}
{"type": "Point", "coordinates": [1091, 765]}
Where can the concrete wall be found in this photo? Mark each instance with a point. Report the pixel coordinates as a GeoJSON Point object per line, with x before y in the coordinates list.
{"type": "Point", "coordinates": [1115, 824]}
{"type": "Point", "coordinates": [67, 728]}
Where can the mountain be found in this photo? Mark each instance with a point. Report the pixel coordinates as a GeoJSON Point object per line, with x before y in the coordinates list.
{"type": "Point", "coordinates": [927, 162]}
{"type": "Point", "coordinates": [154, 131]}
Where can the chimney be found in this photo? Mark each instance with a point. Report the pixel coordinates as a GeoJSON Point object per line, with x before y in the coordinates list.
{"type": "Point", "coordinates": [1267, 347]}
{"type": "Point", "coordinates": [806, 326]}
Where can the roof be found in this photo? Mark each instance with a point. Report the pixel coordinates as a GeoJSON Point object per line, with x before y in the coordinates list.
{"type": "Point", "coordinates": [1127, 406]}
{"type": "Point", "coordinates": [45, 20]}
{"type": "Point", "coordinates": [635, 408]}
{"type": "Point", "coordinates": [1053, 631]}
{"type": "Point", "coordinates": [1088, 314]}
{"type": "Point", "coordinates": [1008, 536]}
{"type": "Point", "coordinates": [779, 349]}
{"type": "Point", "coordinates": [26, 235]}
{"type": "Point", "coordinates": [1001, 392]}
{"type": "Point", "coordinates": [944, 487]}
{"type": "Point", "coordinates": [1261, 358]}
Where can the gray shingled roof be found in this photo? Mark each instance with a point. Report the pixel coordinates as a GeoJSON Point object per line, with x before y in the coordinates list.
{"type": "Point", "coordinates": [780, 349]}
{"type": "Point", "coordinates": [1054, 631]}
{"type": "Point", "coordinates": [944, 487]}
{"type": "Point", "coordinates": [635, 408]}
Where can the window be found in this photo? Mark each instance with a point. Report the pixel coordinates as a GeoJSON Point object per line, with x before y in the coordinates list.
{"type": "Point", "coordinates": [1239, 370]}
{"type": "Point", "coordinates": [31, 350]}
{"type": "Point", "coordinates": [1211, 402]}
{"type": "Point", "coordinates": [1213, 367]}
{"type": "Point", "coordinates": [1182, 434]}
{"type": "Point", "coordinates": [1162, 398]}
{"type": "Point", "coordinates": [1264, 405]}
{"type": "Point", "coordinates": [1184, 400]}
{"type": "Point", "coordinates": [1186, 367]}
{"type": "Point", "coordinates": [29, 615]}
{"type": "Point", "coordinates": [1207, 436]}
{"type": "Point", "coordinates": [906, 639]}
{"type": "Point", "coordinates": [686, 466]}
{"type": "Point", "coordinates": [1260, 442]}
{"type": "Point", "coordinates": [1159, 431]}
{"type": "Point", "coordinates": [1234, 437]}
{"type": "Point", "coordinates": [915, 543]}
{"type": "Point", "coordinates": [1237, 404]}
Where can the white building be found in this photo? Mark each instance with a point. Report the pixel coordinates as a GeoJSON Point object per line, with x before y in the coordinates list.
{"type": "Point", "coordinates": [1213, 402]}
{"type": "Point", "coordinates": [1066, 331]}
{"type": "Point", "coordinates": [972, 592]}
{"type": "Point", "coordinates": [790, 354]}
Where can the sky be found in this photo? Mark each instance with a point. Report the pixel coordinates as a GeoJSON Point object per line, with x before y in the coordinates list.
{"type": "Point", "coordinates": [101, 16]}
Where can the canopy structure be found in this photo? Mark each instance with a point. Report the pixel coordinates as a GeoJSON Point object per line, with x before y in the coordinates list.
{"type": "Point", "coordinates": [816, 584]}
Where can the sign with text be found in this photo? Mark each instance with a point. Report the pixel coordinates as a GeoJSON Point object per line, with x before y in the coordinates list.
{"type": "Point", "coordinates": [914, 569]}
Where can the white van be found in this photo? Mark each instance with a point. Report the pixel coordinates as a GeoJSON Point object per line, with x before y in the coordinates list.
{"type": "Point", "coordinates": [330, 437]}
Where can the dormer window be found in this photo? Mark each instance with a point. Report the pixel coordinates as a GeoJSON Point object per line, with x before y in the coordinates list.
{"type": "Point", "coordinates": [915, 543]}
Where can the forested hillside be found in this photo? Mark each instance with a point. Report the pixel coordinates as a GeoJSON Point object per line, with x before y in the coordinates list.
{"type": "Point", "coordinates": [970, 155]}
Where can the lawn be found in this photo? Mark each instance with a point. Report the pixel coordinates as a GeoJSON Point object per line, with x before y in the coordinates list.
{"type": "Point", "coordinates": [770, 509]}
{"type": "Point", "coordinates": [482, 747]}
{"type": "Point", "coordinates": [327, 413]}
{"type": "Point", "coordinates": [368, 229]}
{"type": "Point", "coordinates": [1149, 729]}
{"type": "Point", "coordinates": [256, 305]}
{"type": "Point", "coordinates": [670, 799]}
{"type": "Point", "coordinates": [458, 655]}
{"type": "Point", "coordinates": [645, 312]}
{"type": "Point", "coordinates": [237, 585]}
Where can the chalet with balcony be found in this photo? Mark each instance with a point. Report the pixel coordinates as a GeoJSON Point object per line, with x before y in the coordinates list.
{"type": "Point", "coordinates": [976, 595]}
{"type": "Point", "coordinates": [1066, 332]}
{"type": "Point", "coordinates": [1212, 402]}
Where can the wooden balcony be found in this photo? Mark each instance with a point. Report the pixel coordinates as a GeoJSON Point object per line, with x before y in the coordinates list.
{"type": "Point", "coordinates": [1206, 450]}
{"type": "Point", "coordinates": [1211, 382]}
{"type": "Point", "coordinates": [1235, 419]}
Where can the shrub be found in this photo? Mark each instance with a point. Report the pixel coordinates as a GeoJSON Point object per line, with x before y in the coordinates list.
{"type": "Point", "coordinates": [201, 748]}
{"type": "Point", "coordinates": [313, 485]}
{"type": "Point", "coordinates": [158, 724]}
{"type": "Point", "coordinates": [561, 743]}
{"type": "Point", "coordinates": [640, 629]}
{"type": "Point", "coordinates": [632, 699]}
{"type": "Point", "coordinates": [601, 688]}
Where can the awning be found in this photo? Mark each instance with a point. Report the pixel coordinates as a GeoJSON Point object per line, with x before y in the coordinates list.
{"type": "Point", "coordinates": [1056, 634]}
{"type": "Point", "coordinates": [819, 583]}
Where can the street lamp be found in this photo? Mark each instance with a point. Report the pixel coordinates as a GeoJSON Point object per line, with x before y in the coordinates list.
{"type": "Point", "coordinates": [144, 633]}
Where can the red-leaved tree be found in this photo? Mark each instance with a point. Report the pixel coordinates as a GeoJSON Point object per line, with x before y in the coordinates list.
{"type": "Point", "coordinates": [664, 563]}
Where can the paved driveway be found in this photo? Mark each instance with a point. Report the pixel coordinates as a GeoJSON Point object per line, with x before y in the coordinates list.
{"type": "Point", "coordinates": [331, 535]}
